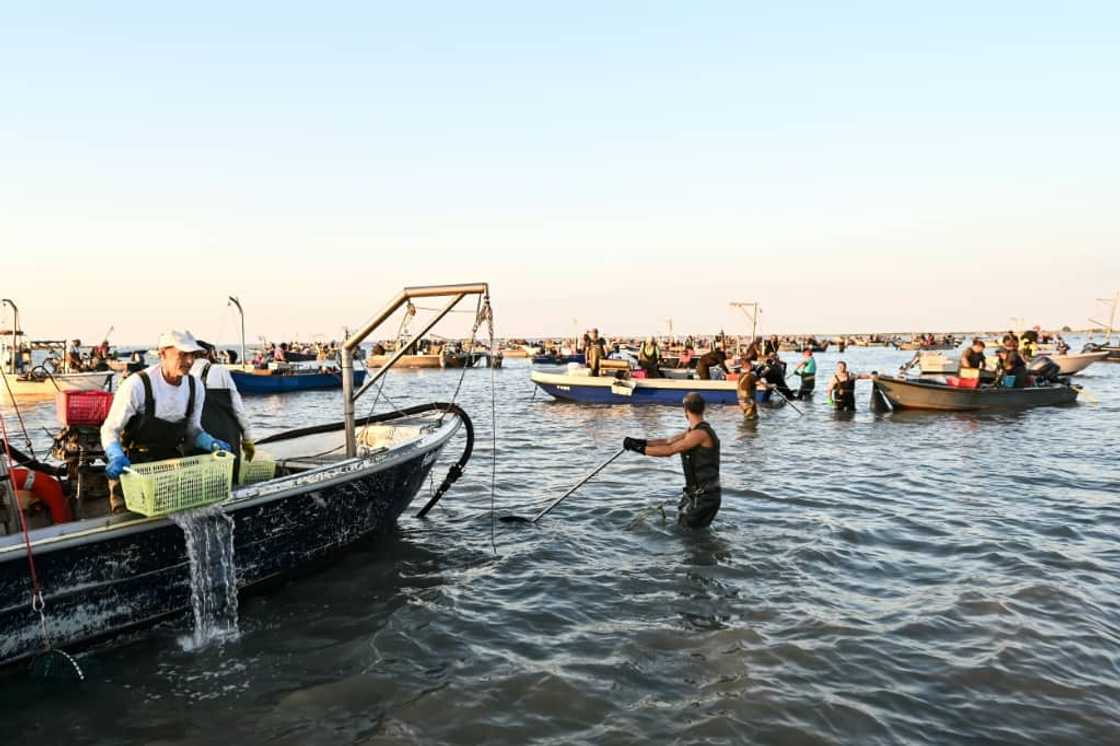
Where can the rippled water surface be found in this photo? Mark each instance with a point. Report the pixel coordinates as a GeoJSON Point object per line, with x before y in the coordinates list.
{"type": "Point", "coordinates": [900, 578]}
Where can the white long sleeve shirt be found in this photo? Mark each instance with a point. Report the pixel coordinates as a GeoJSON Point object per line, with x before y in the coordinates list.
{"type": "Point", "coordinates": [219, 378]}
{"type": "Point", "coordinates": [171, 404]}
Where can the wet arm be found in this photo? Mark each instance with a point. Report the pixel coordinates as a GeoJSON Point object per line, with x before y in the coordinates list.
{"type": "Point", "coordinates": [677, 444]}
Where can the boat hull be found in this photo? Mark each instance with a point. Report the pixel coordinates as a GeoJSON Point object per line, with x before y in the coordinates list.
{"type": "Point", "coordinates": [103, 580]}
{"type": "Point", "coordinates": [48, 387]}
{"type": "Point", "coordinates": [251, 383]}
{"type": "Point", "coordinates": [909, 394]}
{"type": "Point", "coordinates": [406, 361]}
{"type": "Point", "coordinates": [1074, 364]}
{"type": "Point", "coordinates": [666, 392]}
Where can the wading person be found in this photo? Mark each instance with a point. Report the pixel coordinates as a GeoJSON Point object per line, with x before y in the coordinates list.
{"type": "Point", "coordinates": [223, 413]}
{"type": "Point", "coordinates": [807, 370]}
{"type": "Point", "coordinates": [698, 447]}
{"type": "Point", "coordinates": [774, 373]}
{"type": "Point", "coordinates": [156, 414]}
{"type": "Point", "coordinates": [745, 391]}
{"type": "Point", "coordinates": [842, 387]}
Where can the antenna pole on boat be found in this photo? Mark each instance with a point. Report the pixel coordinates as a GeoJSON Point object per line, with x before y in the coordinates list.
{"type": "Point", "coordinates": [456, 292]}
{"type": "Point", "coordinates": [237, 303]}
{"type": "Point", "coordinates": [15, 334]}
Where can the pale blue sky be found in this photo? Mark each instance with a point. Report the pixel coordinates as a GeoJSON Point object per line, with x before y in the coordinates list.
{"type": "Point", "coordinates": [851, 166]}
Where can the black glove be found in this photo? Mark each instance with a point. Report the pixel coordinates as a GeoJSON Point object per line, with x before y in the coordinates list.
{"type": "Point", "coordinates": [637, 445]}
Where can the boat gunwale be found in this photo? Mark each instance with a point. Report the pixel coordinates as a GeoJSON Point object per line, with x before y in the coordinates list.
{"type": "Point", "coordinates": [12, 546]}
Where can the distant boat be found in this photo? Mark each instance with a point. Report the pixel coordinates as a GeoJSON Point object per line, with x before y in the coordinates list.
{"type": "Point", "coordinates": [1069, 364]}
{"type": "Point", "coordinates": [406, 361]}
{"type": "Point", "coordinates": [608, 390]}
{"type": "Point", "coordinates": [284, 380]}
{"type": "Point", "coordinates": [904, 393]}
{"type": "Point", "coordinates": [31, 386]}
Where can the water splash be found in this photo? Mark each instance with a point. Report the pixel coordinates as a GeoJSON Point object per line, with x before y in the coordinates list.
{"type": "Point", "coordinates": [209, 538]}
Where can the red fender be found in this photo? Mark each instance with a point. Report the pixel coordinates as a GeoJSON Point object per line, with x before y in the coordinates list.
{"type": "Point", "coordinates": [47, 489]}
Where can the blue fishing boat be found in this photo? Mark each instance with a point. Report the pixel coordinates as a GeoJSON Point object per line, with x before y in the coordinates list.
{"type": "Point", "coordinates": [293, 379]}
{"type": "Point", "coordinates": [607, 390]}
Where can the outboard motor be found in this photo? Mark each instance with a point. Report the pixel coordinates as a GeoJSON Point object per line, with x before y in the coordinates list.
{"type": "Point", "coordinates": [1044, 369]}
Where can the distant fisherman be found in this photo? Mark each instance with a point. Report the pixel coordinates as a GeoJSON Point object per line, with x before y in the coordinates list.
{"type": "Point", "coordinates": [699, 450]}
{"type": "Point", "coordinates": [973, 357]}
{"type": "Point", "coordinates": [807, 370]}
{"type": "Point", "coordinates": [157, 414]}
{"type": "Point", "coordinates": [596, 351]}
{"type": "Point", "coordinates": [223, 414]}
{"type": "Point", "coordinates": [842, 387]}
{"type": "Point", "coordinates": [713, 359]}
{"type": "Point", "coordinates": [649, 358]}
{"type": "Point", "coordinates": [745, 391]}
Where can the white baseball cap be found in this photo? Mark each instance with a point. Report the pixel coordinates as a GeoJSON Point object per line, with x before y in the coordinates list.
{"type": "Point", "coordinates": [182, 341]}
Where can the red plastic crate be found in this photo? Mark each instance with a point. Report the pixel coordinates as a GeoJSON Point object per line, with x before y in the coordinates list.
{"type": "Point", "coordinates": [82, 408]}
{"type": "Point", "coordinates": [962, 383]}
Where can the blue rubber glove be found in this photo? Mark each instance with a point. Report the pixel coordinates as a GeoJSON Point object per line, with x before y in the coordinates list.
{"type": "Point", "coordinates": [206, 442]}
{"type": "Point", "coordinates": [118, 462]}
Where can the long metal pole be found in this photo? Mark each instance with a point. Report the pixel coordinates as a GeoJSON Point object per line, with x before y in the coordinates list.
{"type": "Point", "coordinates": [15, 336]}
{"type": "Point", "coordinates": [581, 482]}
{"type": "Point", "coordinates": [348, 347]}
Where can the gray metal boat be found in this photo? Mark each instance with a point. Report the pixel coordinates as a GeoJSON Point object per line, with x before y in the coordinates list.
{"type": "Point", "coordinates": [904, 393]}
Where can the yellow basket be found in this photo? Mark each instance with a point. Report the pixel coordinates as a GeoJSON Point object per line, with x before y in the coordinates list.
{"type": "Point", "coordinates": [261, 469]}
{"type": "Point", "coordinates": [163, 487]}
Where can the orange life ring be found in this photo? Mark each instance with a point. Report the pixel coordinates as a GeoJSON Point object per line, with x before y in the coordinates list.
{"type": "Point", "coordinates": [46, 489]}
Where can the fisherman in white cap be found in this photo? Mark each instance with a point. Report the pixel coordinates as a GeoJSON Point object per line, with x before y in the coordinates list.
{"type": "Point", "coordinates": [157, 414]}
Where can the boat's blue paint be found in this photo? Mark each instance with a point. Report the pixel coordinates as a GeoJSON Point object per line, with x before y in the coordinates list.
{"type": "Point", "coordinates": [559, 359]}
{"type": "Point", "coordinates": [642, 393]}
{"type": "Point", "coordinates": [248, 383]}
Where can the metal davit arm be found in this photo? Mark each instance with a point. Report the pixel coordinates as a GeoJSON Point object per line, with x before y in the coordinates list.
{"type": "Point", "coordinates": [456, 292]}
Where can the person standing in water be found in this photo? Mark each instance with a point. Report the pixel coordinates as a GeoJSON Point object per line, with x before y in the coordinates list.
{"type": "Point", "coordinates": [745, 391]}
{"type": "Point", "coordinates": [807, 370]}
{"type": "Point", "coordinates": [842, 388]}
{"type": "Point", "coordinates": [698, 447]}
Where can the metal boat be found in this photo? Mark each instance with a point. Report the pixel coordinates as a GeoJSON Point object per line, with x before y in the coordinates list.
{"type": "Point", "coordinates": [905, 393]}
{"type": "Point", "coordinates": [334, 485]}
{"type": "Point", "coordinates": [586, 389]}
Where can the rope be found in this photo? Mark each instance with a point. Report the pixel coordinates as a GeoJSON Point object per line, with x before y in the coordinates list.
{"type": "Point", "coordinates": [493, 426]}
{"type": "Point", "coordinates": [38, 605]}
{"type": "Point", "coordinates": [19, 416]}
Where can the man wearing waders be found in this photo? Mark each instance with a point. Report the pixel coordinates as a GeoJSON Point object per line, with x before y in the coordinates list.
{"type": "Point", "coordinates": [699, 450]}
{"type": "Point", "coordinates": [224, 415]}
{"type": "Point", "coordinates": [157, 414]}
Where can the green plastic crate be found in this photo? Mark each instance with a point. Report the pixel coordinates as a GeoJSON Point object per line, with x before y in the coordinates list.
{"type": "Point", "coordinates": [162, 487]}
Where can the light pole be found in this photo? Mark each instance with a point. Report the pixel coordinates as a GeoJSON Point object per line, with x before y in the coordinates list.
{"type": "Point", "coordinates": [237, 303]}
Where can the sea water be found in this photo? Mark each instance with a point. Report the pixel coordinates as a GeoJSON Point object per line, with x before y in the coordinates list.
{"type": "Point", "coordinates": [208, 533]}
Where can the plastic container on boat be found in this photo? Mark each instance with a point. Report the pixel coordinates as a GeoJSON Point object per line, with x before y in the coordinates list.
{"type": "Point", "coordinates": [162, 487]}
{"type": "Point", "coordinates": [82, 408]}
{"type": "Point", "coordinates": [261, 469]}
{"type": "Point", "coordinates": [961, 382]}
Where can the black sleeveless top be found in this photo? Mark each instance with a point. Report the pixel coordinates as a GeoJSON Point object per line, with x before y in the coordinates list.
{"type": "Point", "coordinates": [150, 438]}
{"type": "Point", "coordinates": [701, 465]}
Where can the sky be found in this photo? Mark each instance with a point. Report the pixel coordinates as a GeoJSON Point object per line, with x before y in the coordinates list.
{"type": "Point", "coordinates": [850, 166]}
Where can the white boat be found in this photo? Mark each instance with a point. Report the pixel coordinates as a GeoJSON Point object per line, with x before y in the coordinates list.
{"type": "Point", "coordinates": [31, 387]}
{"type": "Point", "coordinates": [25, 380]}
{"type": "Point", "coordinates": [935, 363]}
